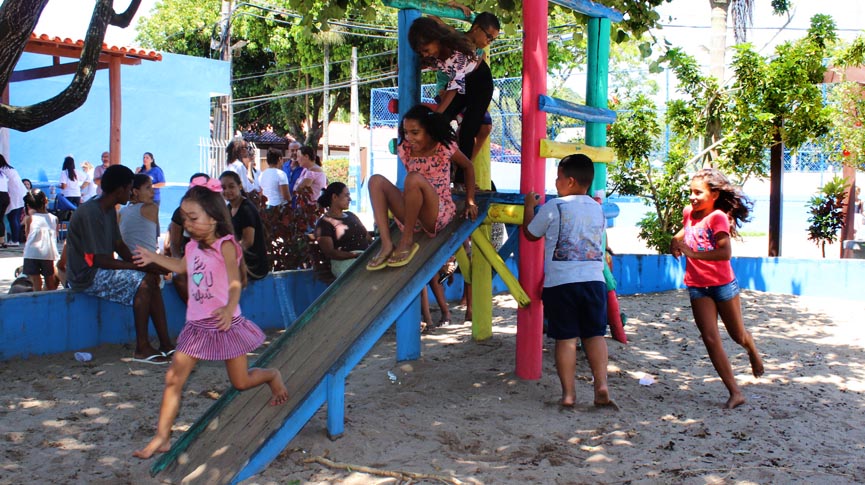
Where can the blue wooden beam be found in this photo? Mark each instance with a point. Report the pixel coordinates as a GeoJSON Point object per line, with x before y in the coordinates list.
{"type": "Point", "coordinates": [591, 9]}
{"type": "Point", "coordinates": [576, 111]}
{"type": "Point", "coordinates": [431, 8]}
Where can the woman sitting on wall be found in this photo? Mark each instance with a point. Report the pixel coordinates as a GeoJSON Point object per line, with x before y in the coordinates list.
{"type": "Point", "coordinates": [340, 234]}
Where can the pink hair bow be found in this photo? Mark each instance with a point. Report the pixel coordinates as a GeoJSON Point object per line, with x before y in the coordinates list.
{"type": "Point", "coordinates": [209, 183]}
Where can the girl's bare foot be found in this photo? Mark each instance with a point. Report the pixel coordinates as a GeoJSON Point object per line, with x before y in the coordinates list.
{"type": "Point", "coordinates": [156, 445]}
{"type": "Point", "coordinates": [379, 261]}
{"type": "Point", "coordinates": [277, 387]}
{"type": "Point", "coordinates": [735, 401]}
{"type": "Point", "coordinates": [756, 363]}
{"type": "Point", "coordinates": [568, 401]}
{"type": "Point", "coordinates": [602, 400]}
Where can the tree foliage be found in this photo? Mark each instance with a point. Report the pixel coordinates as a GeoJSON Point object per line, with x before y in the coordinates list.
{"type": "Point", "coordinates": [772, 100]}
{"type": "Point", "coordinates": [845, 142]}
{"type": "Point", "coordinates": [635, 136]}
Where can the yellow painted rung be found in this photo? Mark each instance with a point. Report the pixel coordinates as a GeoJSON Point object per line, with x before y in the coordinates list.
{"type": "Point", "coordinates": [485, 247]}
{"type": "Point", "coordinates": [555, 149]}
{"type": "Point", "coordinates": [506, 213]}
{"type": "Point", "coordinates": [464, 264]}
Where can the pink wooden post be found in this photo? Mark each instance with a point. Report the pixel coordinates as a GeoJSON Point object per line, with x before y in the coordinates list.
{"type": "Point", "coordinates": [531, 264]}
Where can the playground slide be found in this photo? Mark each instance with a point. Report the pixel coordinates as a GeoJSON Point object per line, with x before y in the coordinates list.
{"type": "Point", "coordinates": [240, 434]}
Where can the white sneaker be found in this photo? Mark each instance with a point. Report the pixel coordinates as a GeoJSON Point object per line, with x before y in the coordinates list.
{"type": "Point", "coordinates": [12, 244]}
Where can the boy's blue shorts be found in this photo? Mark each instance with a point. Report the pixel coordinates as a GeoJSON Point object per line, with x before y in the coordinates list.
{"type": "Point", "coordinates": [576, 310]}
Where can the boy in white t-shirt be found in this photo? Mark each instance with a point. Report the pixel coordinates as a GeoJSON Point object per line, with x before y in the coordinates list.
{"type": "Point", "coordinates": [574, 295]}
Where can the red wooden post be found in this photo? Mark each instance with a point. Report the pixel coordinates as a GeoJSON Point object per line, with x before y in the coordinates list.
{"type": "Point", "coordinates": [531, 264]}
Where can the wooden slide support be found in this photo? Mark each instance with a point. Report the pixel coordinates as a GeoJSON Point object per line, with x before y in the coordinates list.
{"type": "Point", "coordinates": [240, 434]}
{"type": "Point", "coordinates": [555, 149]}
{"type": "Point", "coordinates": [506, 213]}
{"type": "Point", "coordinates": [486, 249]}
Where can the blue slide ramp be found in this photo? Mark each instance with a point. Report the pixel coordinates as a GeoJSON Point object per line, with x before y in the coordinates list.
{"type": "Point", "coordinates": [241, 434]}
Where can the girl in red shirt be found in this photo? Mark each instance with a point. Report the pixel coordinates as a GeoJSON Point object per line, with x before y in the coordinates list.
{"type": "Point", "coordinates": [717, 208]}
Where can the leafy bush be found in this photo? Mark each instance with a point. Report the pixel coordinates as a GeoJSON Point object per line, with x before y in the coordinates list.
{"type": "Point", "coordinates": [827, 213]}
{"type": "Point", "coordinates": [336, 170]}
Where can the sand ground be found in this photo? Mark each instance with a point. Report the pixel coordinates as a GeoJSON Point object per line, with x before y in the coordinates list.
{"type": "Point", "coordinates": [460, 413]}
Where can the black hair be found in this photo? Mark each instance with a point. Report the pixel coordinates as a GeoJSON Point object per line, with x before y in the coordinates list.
{"type": "Point", "coordinates": [236, 178]}
{"type": "Point", "coordinates": [25, 180]}
{"type": "Point", "coordinates": [425, 30]}
{"type": "Point", "coordinates": [579, 167]}
{"type": "Point", "coordinates": [199, 174]}
{"type": "Point", "coordinates": [140, 179]}
{"type": "Point", "coordinates": [69, 166]}
{"type": "Point", "coordinates": [327, 194]}
{"type": "Point", "coordinates": [115, 177]}
{"type": "Point", "coordinates": [152, 161]}
{"type": "Point", "coordinates": [274, 155]}
{"type": "Point", "coordinates": [35, 199]}
{"type": "Point", "coordinates": [731, 199]}
{"type": "Point", "coordinates": [308, 151]}
{"type": "Point", "coordinates": [435, 124]}
{"type": "Point", "coordinates": [487, 20]}
{"type": "Point", "coordinates": [3, 162]}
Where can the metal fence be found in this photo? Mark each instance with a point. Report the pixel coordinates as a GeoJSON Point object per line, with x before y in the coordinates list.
{"type": "Point", "coordinates": [212, 157]}
{"type": "Point", "coordinates": [505, 110]}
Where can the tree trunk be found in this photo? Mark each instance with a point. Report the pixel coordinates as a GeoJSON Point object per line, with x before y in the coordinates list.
{"type": "Point", "coordinates": [718, 44]}
{"type": "Point", "coordinates": [17, 20]}
{"type": "Point", "coordinates": [776, 172]}
{"type": "Point", "coordinates": [848, 230]}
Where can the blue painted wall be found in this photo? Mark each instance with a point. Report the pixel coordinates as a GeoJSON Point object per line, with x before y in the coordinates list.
{"type": "Point", "coordinates": [62, 321]}
{"type": "Point", "coordinates": [165, 110]}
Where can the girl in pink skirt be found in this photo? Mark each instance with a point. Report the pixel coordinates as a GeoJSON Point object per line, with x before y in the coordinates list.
{"type": "Point", "coordinates": [215, 329]}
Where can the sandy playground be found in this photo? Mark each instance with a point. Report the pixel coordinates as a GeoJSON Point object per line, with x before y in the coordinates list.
{"type": "Point", "coordinates": [461, 415]}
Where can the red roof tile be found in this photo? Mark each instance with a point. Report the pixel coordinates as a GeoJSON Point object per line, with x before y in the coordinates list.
{"type": "Point", "coordinates": [69, 46]}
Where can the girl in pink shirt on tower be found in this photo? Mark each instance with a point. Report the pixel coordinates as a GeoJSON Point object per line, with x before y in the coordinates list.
{"type": "Point", "coordinates": [717, 208]}
{"type": "Point", "coordinates": [215, 328]}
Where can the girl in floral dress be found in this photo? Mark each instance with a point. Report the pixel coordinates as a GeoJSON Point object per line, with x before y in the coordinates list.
{"type": "Point", "coordinates": [427, 150]}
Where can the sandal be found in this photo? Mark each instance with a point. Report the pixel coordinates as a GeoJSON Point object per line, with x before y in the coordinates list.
{"type": "Point", "coordinates": [382, 263]}
{"type": "Point", "coordinates": [399, 259]}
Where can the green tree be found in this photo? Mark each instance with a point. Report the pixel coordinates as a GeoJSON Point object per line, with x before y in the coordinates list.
{"type": "Point", "coordinates": [635, 136]}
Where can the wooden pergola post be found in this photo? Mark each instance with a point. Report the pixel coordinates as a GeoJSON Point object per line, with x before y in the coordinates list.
{"type": "Point", "coordinates": [116, 110]}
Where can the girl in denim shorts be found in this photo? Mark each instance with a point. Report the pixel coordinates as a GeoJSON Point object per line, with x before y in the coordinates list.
{"type": "Point", "coordinates": [717, 209]}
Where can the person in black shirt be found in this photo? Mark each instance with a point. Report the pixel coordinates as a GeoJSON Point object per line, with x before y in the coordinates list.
{"type": "Point", "coordinates": [247, 226]}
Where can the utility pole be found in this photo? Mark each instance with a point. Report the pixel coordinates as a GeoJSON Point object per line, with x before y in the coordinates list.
{"type": "Point", "coordinates": [325, 143]}
{"type": "Point", "coordinates": [225, 55]}
{"type": "Point", "coordinates": [354, 172]}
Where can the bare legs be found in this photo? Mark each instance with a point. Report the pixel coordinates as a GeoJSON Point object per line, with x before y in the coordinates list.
{"type": "Point", "coordinates": [175, 378]}
{"type": "Point", "coordinates": [181, 366]}
{"type": "Point", "coordinates": [50, 282]}
{"type": "Point", "coordinates": [566, 368]}
{"type": "Point", "coordinates": [148, 305]}
{"type": "Point", "coordinates": [706, 313]}
{"type": "Point", "coordinates": [418, 202]}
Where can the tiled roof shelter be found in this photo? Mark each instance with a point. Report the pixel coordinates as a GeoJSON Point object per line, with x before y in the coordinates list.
{"type": "Point", "coordinates": [111, 58]}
